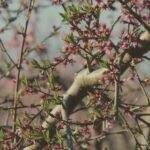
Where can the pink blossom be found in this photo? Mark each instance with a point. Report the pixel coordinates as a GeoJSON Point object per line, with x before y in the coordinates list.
{"type": "Point", "coordinates": [56, 2]}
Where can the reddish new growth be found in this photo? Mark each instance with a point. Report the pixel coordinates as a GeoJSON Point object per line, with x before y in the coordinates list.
{"type": "Point", "coordinates": [3, 4]}
{"type": "Point", "coordinates": [60, 125]}
{"type": "Point", "coordinates": [56, 2]}
{"type": "Point", "coordinates": [85, 131]}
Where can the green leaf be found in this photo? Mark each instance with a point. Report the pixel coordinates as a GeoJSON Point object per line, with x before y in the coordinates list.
{"type": "Point", "coordinates": [47, 64]}
{"type": "Point", "coordinates": [59, 137]}
{"type": "Point", "coordinates": [70, 38]}
{"type": "Point", "coordinates": [105, 64]}
{"type": "Point", "coordinates": [70, 11]}
{"type": "Point", "coordinates": [49, 104]}
{"type": "Point", "coordinates": [27, 115]}
{"type": "Point", "coordinates": [37, 135]}
{"type": "Point", "coordinates": [35, 64]}
{"type": "Point", "coordinates": [98, 12]}
{"type": "Point", "coordinates": [50, 82]}
{"type": "Point", "coordinates": [2, 135]}
{"type": "Point", "coordinates": [24, 81]}
{"type": "Point", "coordinates": [87, 8]}
{"type": "Point", "coordinates": [66, 17]}
{"type": "Point", "coordinates": [19, 123]}
{"type": "Point", "coordinates": [36, 83]}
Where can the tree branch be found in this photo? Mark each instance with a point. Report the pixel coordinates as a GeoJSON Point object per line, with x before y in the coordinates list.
{"type": "Point", "coordinates": [85, 80]}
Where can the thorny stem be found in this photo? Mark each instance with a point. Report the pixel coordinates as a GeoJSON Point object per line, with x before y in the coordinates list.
{"type": "Point", "coordinates": [19, 68]}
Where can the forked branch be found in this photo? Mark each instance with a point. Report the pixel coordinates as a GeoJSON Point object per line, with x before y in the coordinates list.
{"type": "Point", "coordinates": [85, 80]}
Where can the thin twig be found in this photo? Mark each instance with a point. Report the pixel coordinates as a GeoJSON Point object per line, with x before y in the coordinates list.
{"type": "Point", "coordinates": [4, 50]}
{"type": "Point", "coordinates": [116, 97]}
{"type": "Point", "coordinates": [131, 131]}
{"type": "Point", "coordinates": [112, 27]}
{"type": "Point", "coordinates": [147, 27]}
{"type": "Point", "coordinates": [80, 87]}
{"type": "Point", "coordinates": [6, 74]}
{"type": "Point", "coordinates": [142, 87]}
{"type": "Point", "coordinates": [141, 131]}
{"type": "Point", "coordinates": [147, 58]}
{"type": "Point", "coordinates": [19, 67]}
{"type": "Point", "coordinates": [19, 107]}
{"type": "Point", "coordinates": [102, 136]}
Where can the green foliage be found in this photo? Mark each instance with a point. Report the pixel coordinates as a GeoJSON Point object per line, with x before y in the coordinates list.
{"type": "Point", "coordinates": [36, 64]}
{"type": "Point", "coordinates": [89, 38]}
{"type": "Point", "coordinates": [24, 81]}
{"type": "Point", "coordinates": [60, 138]}
{"type": "Point", "coordinates": [47, 64]}
{"type": "Point", "coordinates": [70, 38]}
{"type": "Point", "coordinates": [2, 135]}
{"type": "Point", "coordinates": [105, 63]}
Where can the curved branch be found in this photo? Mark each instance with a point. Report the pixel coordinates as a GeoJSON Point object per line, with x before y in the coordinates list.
{"type": "Point", "coordinates": [85, 79]}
